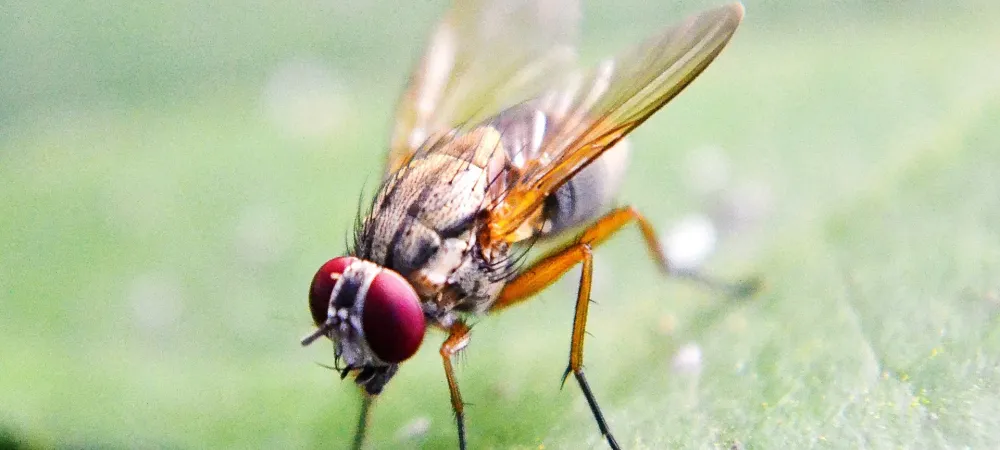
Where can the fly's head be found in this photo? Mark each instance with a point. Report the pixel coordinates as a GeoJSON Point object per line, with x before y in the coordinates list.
{"type": "Point", "coordinates": [372, 315]}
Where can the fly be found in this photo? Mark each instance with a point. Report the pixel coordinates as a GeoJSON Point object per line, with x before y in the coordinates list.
{"type": "Point", "coordinates": [499, 141]}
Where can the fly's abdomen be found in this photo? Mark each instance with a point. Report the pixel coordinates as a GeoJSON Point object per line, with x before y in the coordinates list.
{"type": "Point", "coordinates": [589, 193]}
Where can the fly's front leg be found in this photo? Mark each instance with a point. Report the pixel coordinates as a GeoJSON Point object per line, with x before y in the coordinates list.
{"type": "Point", "coordinates": [458, 338]}
{"type": "Point", "coordinates": [366, 408]}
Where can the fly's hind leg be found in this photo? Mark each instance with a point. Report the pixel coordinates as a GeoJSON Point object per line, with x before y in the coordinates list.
{"type": "Point", "coordinates": [552, 267]}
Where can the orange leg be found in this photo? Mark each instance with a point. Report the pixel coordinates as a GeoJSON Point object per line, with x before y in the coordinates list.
{"type": "Point", "coordinates": [550, 268]}
{"type": "Point", "coordinates": [458, 338]}
{"type": "Point", "coordinates": [553, 266]}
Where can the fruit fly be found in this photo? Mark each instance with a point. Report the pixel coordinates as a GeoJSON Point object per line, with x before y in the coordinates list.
{"type": "Point", "coordinates": [499, 142]}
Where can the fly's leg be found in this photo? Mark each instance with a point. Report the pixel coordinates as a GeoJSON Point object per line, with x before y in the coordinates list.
{"type": "Point", "coordinates": [458, 338]}
{"type": "Point", "coordinates": [550, 268]}
{"type": "Point", "coordinates": [553, 266]}
{"type": "Point", "coordinates": [366, 412]}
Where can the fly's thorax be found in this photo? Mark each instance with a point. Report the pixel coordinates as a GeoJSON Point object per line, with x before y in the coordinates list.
{"type": "Point", "coordinates": [475, 284]}
{"type": "Point", "coordinates": [435, 274]}
{"type": "Point", "coordinates": [435, 197]}
{"type": "Point", "coordinates": [426, 213]}
{"type": "Point", "coordinates": [461, 278]}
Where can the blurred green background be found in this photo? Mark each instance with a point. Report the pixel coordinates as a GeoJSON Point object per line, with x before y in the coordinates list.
{"type": "Point", "coordinates": [173, 173]}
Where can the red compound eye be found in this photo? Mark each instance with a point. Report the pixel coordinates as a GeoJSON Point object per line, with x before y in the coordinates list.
{"type": "Point", "coordinates": [393, 320]}
{"type": "Point", "coordinates": [322, 286]}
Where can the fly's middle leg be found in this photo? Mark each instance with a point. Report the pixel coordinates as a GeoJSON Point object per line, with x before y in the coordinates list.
{"type": "Point", "coordinates": [552, 267]}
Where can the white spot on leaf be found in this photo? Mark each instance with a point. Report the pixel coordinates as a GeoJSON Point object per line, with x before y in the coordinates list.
{"type": "Point", "coordinates": [687, 360]}
{"type": "Point", "coordinates": [415, 429]}
{"type": "Point", "coordinates": [690, 241]}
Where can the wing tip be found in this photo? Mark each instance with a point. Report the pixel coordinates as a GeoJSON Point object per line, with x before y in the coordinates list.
{"type": "Point", "coordinates": [734, 10]}
{"type": "Point", "coordinates": [729, 15]}
{"type": "Point", "coordinates": [737, 10]}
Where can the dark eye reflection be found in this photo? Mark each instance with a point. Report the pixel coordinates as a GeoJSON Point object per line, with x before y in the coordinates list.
{"type": "Point", "coordinates": [348, 294]}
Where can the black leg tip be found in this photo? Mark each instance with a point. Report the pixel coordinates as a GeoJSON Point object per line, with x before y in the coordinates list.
{"type": "Point", "coordinates": [612, 442]}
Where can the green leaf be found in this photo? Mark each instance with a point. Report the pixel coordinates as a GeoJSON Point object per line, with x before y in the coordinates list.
{"type": "Point", "coordinates": [159, 232]}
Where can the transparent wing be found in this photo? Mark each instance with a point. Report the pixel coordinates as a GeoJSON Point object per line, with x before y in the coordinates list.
{"type": "Point", "coordinates": [482, 57]}
{"type": "Point", "coordinates": [592, 112]}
